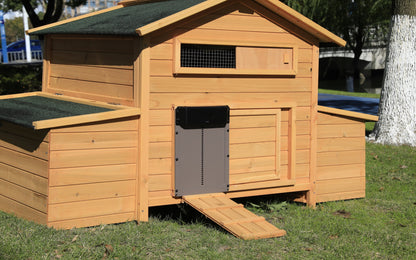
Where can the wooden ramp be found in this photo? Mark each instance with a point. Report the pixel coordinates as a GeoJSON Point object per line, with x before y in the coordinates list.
{"type": "Point", "coordinates": [233, 217]}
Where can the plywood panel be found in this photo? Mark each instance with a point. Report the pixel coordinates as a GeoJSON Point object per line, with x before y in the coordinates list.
{"type": "Point", "coordinates": [217, 84]}
{"type": "Point", "coordinates": [80, 158]}
{"type": "Point", "coordinates": [93, 140]}
{"type": "Point", "coordinates": [91, 191]}
{"type": "Point", "coordinates": [109, 75]}
{"type": "Point", "coordinates": [92, 87]}
{"type": "Point", "coordinates": [28, 163]}
{"type": "Point", "coordinates": [341, 144]}
{"type": "Point", "coordinates": [340, 171]}
{"type": "Point", "coordinates": [341, 157]}
{"type": "Point", "coordinates": [23, 211]}
{"type": "Point", "coordinates": [91, 208]}
{"type": "Point", "coordinates": [125, 124]}
{"type": "Point", "coordinates": [329, 131]}
{"type": "Point", "coordinates": [165, 101]}
{"type": "Point", "coordinates": [92, 221]}
{"type": "Point", "coordinates": [23, 178]}
{"type": "Point", "coordinates": [81, 175]}
{"type": "Point", "coordinates": [24, 196]}
{"type": "Point", "coordinates": [340, 185]}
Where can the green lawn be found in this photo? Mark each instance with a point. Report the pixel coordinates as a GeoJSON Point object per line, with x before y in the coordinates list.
{"type": "Point", "coordinates": [345, 93]}
{"type": "Point", "coordinates": [381, 226]}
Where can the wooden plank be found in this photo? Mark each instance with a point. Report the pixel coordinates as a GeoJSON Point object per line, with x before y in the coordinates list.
{"type": "Point", "coordinates": [252, 135]}
{"type": "Point", "coordinates": [84, 175]}
{"type": "Point", "coordinates": [252, 121]}
{"type": "Point", "coordinates": [238, 151]}
{"type": "Point", "coordinates": [330, 119]}
{"type": "Point", "coordinates": [21, 210]}
{"type": "Point", "coordinates": [91, 43]}
{"type": "Point", "coordinates": [24, 179]}
{"type": "Point", "coordinates": [92, 221]}
{"type": "Point", "coordinates": [253, 177]}
{"type": "Point", "coordinates": [256, 164]}
{"type": "Point", "coordinates": [92, 87]}
{"type": "Point", "coordinates": [244, 224]}
{"type": "Point", "coordinates": [46, 72]}
{"type": "Point", "coordinates": [165, 101]}
{"type": "Point", "coordinates": [88, 118]}
{"type": "Point", "coordinates": [90, 208]}
{"type": "Point", "coordinates": [95, 157]}
{"type": "Point", "coordinates": [160, 133]}
{"type": "Point", "coordinates": [340, 185]}
{"type": "Point", "coordinates": [163, 51]}
{"type": "Point", "coordinates": [163, 201]}
{"type": "Point", "coordinates": [340, 196]}
{"type": "Point", "coordinates": [163, 84]}
{"type": "Point", "coordinates": [302, 142]}
{"type": "Point", "coordinates": [27, 146]}
{"type": "Point", "coordinates": [91, 191]}
{"type": "Point", "coordinates": [340, 171]}
{"type": "Point", "coordinates": [341, 112]}
{"type": "Point", "coordinates": [341, 144]}
{"type": "Point", "coordinates": [24, 196]}
{"type": "Point", "coordinates": [341, 158]}
{"type": "Point", "coordinates": [302, 156]}
{"type": "Point", "coordinates": [160, 150]}
{"type": "Point", "coordinates": [261, 185]}
{"type": "Point", "coordinates": [160, 166]}
{"type": "Point", "coordinates": [98, 59]}
{"type": "Point", "coordinates": [24, 162]}
{"type": "Point", "coordinates": [86, 73]}
{"type": "Point", "coordinates": [123, 124]}
{"type": "Point", "coordinates": [331, 131]}
{"type": "Point", "coordinates": [160, 182]}
{"type": "Point", "coordinates": [267, 191]}
{"type": "Point", "coordinates": [93, 140]}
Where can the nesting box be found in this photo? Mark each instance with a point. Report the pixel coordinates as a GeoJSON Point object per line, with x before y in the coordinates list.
{"type": "Point", "coordinates": [186, 101]}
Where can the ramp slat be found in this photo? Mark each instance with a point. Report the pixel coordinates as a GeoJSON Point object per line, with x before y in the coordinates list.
{"type": "Point", "coordinates": [233, 217]}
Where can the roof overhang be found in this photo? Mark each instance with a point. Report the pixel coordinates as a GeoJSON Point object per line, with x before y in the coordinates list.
{"type": "Point", "coordinates": [346, 113]}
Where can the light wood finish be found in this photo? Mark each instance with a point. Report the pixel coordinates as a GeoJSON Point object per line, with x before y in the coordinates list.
{"type": "Point", "coordinates": [113, 125]}
{"type": "Point", "coordinates": [233, 217]}
{"type": "Point", "coordinates": [21, 210]}
{"type": "Point", "coordinates": [46, 70]}
{"type": "Point", "coordinates": [73, 19]}
{"type": "Point", "coordinates": [35, 148]}
{"type": "Point", "coordinates": [342, 130]}
{"type": "Point", "coordinates": [346, 113]}
{"type": "Point", "coordinates": [25, 179]}
{"type": "Point", "coordinates": [24, 196]}
{"type": "Point", "coordinates": [92, 221]}
{"type": "Point", "coordinates": [24, 162]}
{"type": "Point", "coordinates": [144, 132]}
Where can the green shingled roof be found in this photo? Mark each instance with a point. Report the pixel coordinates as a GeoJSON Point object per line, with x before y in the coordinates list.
{"type": "Point", "coordinates": [123, 21]}
{"type": "Point", "coordinates": [26, 110]}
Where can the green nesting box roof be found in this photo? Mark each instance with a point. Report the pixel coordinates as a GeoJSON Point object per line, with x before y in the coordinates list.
{"type": "Point", "coordinates": [26, 110]}
{"type": "Point", "coordinates": [122, 21]}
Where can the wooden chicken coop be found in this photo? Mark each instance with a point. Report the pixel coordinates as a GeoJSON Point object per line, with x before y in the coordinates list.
{"type": "Point", "coordinates": [153, 103]}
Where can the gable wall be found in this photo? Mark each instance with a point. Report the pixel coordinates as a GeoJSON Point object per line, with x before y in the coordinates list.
{"type": "Point", "coordinates": [249, 157]}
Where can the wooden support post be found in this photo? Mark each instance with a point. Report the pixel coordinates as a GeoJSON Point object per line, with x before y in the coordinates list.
{"type": "Point", "coordinates": [142, 73]}
{"type": "Point", "coordinates": [311, 194]}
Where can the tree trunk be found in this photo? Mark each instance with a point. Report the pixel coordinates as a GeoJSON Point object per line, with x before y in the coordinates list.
{"type": "Point", "coordinates": [397, 110]}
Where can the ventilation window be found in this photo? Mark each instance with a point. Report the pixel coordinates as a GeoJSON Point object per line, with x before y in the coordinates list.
{"type": "Point", "coordinates": [207, 56]}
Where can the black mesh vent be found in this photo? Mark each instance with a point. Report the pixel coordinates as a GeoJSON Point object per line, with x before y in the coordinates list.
{"type": "Point", "coordinates": [207, 56]}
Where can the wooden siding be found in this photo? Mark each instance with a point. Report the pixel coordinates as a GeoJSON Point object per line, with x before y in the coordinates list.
{"type": "Point", "coordinates": [94, 67]}
{"type": "Point", "coordinates": [93, 174]}
{"type": "Point", "coordinates": [24, 155]}
{"type": "Point", "coordinates": [340, 158]}
{"type": "Point", "coordinates": [253, 140]}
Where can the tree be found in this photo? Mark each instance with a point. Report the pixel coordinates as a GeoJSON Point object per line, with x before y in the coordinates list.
{"type": "Point", "coordinates": [357, 21]}
{"type": "Point", "coordinates": [14, 29]}
{"type": "Point", "coordinates": [53, 9]}
{"type": "Point", "coordinates": [397, 109]}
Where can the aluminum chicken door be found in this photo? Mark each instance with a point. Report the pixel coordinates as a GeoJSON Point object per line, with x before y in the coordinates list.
{"type": "Point", "coordinates": [201, 150]}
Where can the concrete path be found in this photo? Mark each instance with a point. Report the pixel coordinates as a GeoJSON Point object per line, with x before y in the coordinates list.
{"type": "Point", "coordinates": [356, 104]}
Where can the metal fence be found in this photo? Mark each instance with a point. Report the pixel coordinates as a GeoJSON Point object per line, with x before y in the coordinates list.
{"type": "Point", "coordinates": [20, 56]}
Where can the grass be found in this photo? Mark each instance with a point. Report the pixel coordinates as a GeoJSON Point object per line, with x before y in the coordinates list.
{"type": "Point", "coordinates": [381, 226]}
{"type": "Point", "coordinates": [345, 93]}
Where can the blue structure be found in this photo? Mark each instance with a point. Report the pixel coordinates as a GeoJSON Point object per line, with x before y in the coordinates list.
{"type": "Point", "coordinates": [3, 39]}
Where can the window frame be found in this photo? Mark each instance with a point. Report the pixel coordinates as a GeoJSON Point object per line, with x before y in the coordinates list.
{"type": "Point", "coordinates": [178, 70]}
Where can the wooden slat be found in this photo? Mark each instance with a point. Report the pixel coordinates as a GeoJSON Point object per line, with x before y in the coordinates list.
{"type": "Point", "coordinates": [92, 87]}
{"type": "Point", "coordinates": [252, 135]}
{"type": "Point", "coordinates": [340, 196]}
{"type": "Point", "coordinates": [340, 185]}
{"type": "Point", "coordinates": [27, 146]}
{"type": "Point", "coordinates": [92, 221]}
{"type": "Point", "coordinates": [123, 124]}
{"type": "Point", "coordinates": [27, 163]}
{"type": "Point", "coordinates": [24, 179]}
{"type": "Point", "coordinates": [160, 150]}
{"type": "Point", "coordinates": [261, 184]}
{"type": "Point", "coordinates": [21, 210]}
{"type": "Point", "coordinates": [160, 182]}
{"type": "Point", "coordinates": [255, 164]}
{"type": "Point", "coordinates": [84, 175]}
{"type": "Point", "coordinates": [91, 191]}
{"type": "Point", "coordinates": [93, 140]}
{"type": "Point", "coordinates": [80, 158]}
{"type": "Point", "coordinates": [341, 158]}
{"type": "Point", "coordinates": [24, 196]}
{"type": "Point", "coordinates": [329, 119]}
{"type": "Point", "coordinates": [160, 166]}
{"type": "Point", "coordinates": [253, 177]}
{"type": "Point", "coordinates": [341, 144]}
{"type": "Point", "coordinates": [340, 171]}
{"type": "Point", "coordinates": [250, 150]}
{"type": "Point", "coordinates": [233, 217]}
{"type": "Point", "coordinates": [90, 43]}
{"type": "Point", "coordinates": [24, 132]}
{"type": "Point", "coordinates": [341, 112]}
{"type": "Point", "coordinates": [90, 208]}
{"type": "Point", "coordinates": [330, 131]}
{"type": "Point", "coordinates": [160, 133]}
{"type": "Point", "coordinates": [88, 58]}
